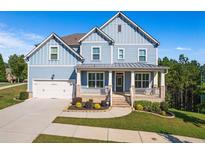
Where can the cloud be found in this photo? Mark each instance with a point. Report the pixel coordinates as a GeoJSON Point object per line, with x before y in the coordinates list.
{"type": "Point", "coordinates": [183, 49]}
{"type": "Point", "coordinates": [16, 41]}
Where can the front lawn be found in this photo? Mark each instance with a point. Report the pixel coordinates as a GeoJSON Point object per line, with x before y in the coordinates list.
{"type": "Point", "coordinates": [7, 95]}
{"type": "Point", "coordinates": [42, 138]}
{"type": "Point", "coordinates": [3, 84]}
{"type": "Point", "coordinates": [185, 123]}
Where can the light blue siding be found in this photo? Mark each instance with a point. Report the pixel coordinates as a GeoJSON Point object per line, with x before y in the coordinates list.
{"type": "Point", "coordinates": [131, 53]}
{"type": "Point", "coordinates": [127, 81]}
{"type": "Point", "coordinates": [45, 73]}
{"type": "Point", "coordinates": [41, 57]}
{"type": "Point", "coordinates": [128, 35]}
{"type": "Point", "coordinates": [105, 52]}
{"type": "Point", "coordinates": [94, 37]}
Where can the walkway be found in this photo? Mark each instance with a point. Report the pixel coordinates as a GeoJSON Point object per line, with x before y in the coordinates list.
{"type": "Point", "coordinates": [117, 135]}
{"type": "Point", "coordinates": [112, 113]}
{"type": "Point", "coordinates": [10, 86]}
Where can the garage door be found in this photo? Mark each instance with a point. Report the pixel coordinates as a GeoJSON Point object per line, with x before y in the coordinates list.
{"type": "Point", "coordinates": [52, 89]}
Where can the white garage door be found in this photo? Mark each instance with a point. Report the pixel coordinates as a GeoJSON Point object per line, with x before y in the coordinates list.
{"type": "Point", "coordinates": [52, 89]}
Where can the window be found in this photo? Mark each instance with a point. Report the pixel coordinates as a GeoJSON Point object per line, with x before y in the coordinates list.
{"type": "Point", "coordinates": [95, 53]}
{"type": "Point", "coordinates": [119, 28]}
{"type": "Point", "coordinates": [142, 80]}
{"type": "Point", "coordinates": [53, 53]}
{"type": "Point", "coordinates": [142, 55]}
{"type": "Point", "coordinates": [95, 80]}
{"type": "Point", "coordinates": [121, 53]}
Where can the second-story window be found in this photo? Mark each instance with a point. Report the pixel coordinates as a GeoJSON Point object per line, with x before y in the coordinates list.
{"type": "Point", "coordinates": [119, 28]}
{"type": "Point", "coordinates": [142, 55]}
{"type": "Point", "coordinates": [54, 53]}
{"type": "Point", "coordinates": [121, 53]}
{"type": "Point", "coordinates": [95, 53]}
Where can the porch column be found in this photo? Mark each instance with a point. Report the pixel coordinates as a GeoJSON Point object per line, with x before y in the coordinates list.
{"type": "Point", "coordinates": [132, 88]}
{"type": "Point", "coordinates": [110, 86]}
{"type": "Point", "coordinates": [78, 83]}
{"type": "Point", "coordinates": [155, 83]}
{"type": "Point", "coordinates": [162, 86]}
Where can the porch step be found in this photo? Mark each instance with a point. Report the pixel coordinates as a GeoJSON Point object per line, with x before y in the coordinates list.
{"type": "Point", "coordinates": [119, 101]}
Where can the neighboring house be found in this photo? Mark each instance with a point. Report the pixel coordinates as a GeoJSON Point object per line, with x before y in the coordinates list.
{"type": "Point", "coordinates": [118, 57]}
{"type": "Point", "coordinates": [9, 76]}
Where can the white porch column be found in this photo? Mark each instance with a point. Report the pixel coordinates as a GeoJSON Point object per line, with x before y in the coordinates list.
{"type": "Point", "coordinates": [78, 83]}
{"type": "Point", "coordinates": [162, 86]}
{"type": "Point", "coordinates": [110, 86]}
{"type": "Point", "coordinates": [155, 79]}
{"type": "Point", "coordinates": [132, 88]}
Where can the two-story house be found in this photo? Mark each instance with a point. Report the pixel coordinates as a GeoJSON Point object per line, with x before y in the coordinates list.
{"type": "Point", "coordinates": [119, 57]}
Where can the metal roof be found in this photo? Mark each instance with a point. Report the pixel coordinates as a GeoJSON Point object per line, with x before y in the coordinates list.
{"type": "Point", "coordinates": [121, 66]}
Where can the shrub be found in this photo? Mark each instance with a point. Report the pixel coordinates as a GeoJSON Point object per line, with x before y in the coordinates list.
{"type": "Point", "coordinates": [97, 106]}
{"type": "Point", "coordinates": [91, 100]}
{"type": "Point", "coordinates": [163, 113]}
{"type": "Point", "coordinates": [156, 107]}
{"type": "Point", "coordinates": [76, 99]}
{"type": "Point", "coordinates": [147, 105]}
{"type": "Point", "coordinates": [164, 106]}
{"type": "Point", "coordinates": [78, 105]}
{"type": "Point", "coordinates": [104, 103]}
{"type": "Point", "coordinates": [139, 107]}
{"type": "Point", "coordinates": [23, 95]}
{"type": "Point", "coordinates": [88, 105]}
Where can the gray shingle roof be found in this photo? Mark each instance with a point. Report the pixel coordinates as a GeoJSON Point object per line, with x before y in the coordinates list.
{"type": "Point", "coordinates": [121, 66]}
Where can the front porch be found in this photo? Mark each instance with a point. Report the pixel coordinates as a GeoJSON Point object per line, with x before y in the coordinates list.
{"type": "Point", "coordinates": [136, 83]}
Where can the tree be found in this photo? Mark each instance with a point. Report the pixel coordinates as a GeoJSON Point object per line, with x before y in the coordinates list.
{"type": "Point", "coordinates": [2, 69]}
{"type": "Point", "coordinates": [17, 65]}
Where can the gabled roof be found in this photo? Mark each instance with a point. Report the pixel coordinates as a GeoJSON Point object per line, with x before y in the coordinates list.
{"type": "Point", "coordinates": [73, 38]}
{"type": "Point", "coordinates": [133, 24]}
{"type": "Point", "coordinates": [96, 29]}
{"type": "Point", "coordinates": [53, 35]}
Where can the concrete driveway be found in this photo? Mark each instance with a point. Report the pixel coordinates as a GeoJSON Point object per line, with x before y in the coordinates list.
{"type": "Point", "coordinates": [25, 121]}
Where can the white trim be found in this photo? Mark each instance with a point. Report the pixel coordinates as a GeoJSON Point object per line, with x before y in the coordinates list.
{"type": "Point", "coordinates": [53, 46]}
{"type": "Point", "coordinates": [99, 30]}
{"type": "Point", "coordinates": [123, 79]}
{"type": "Point", "coordinates": [150, 83]}
{"type": "Point", "coordinates": [52, 65]}
{"type": "Point", "coordinates": [81, 51]}
{"type": "Point", "coordinates": [139, 55]}
{"type": "Point", "coordinates": [123, 53]}
{"type": "Point", "coordinates": [111, 54]}
{"type": "Point", "coordinates": [92, 53]}
{"type": "Point", "coordinates": [120, 13]}
{"type": "Point", "coordinates": [49, 37]}
{"type": "Point", "coordinates": [95, 79]}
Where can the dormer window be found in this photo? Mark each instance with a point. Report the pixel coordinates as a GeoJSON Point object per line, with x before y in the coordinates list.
{"type": "Point", "coordinates": [119, 28]}
{"type": "Point", "coordinates": [54, 53]}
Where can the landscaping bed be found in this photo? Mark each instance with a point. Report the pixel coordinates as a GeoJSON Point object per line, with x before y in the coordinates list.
{"type": "Point", "coordinates": [78, 105]}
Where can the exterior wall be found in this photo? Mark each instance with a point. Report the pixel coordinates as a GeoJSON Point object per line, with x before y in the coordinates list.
{"type": "Point", "coordinates": [45, 73]}
{"type": "Point", "coordinates": [128, 35]}
{"type": "Point", "coordinates": [131, 54]}
{"type": "Point", "coordinates": [94, 37]}
{"type": "Point", "coordinates": [105, 52]}
{"type": "Point", "coordinates": [41, 57]}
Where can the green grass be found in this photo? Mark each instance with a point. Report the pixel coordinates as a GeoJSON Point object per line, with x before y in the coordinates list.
{"type": "Point", "coordinates": [185, 123]}
{"type": "Point", "coordinates": [42, 138]}
{"type": "Point", "coordinates": [2, 84]}
{"type": "Point", "coordinates": [7, 95]}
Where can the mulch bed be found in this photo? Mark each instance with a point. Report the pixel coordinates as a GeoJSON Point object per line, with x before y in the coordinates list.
{"type": "Point", "coordinates": [73, 107]}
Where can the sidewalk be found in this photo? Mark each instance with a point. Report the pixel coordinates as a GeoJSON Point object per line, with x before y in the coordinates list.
{"type": "Point", "coordinates": [10, 86]}
{"type": "Point", "coordinates": [117, 135]}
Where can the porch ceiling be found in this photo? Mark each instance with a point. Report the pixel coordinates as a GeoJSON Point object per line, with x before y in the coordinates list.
{"type": "Point", "coordinates": [130, 66]}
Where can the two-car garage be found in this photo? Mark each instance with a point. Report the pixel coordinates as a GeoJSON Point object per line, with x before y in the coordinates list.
{"type": "Point", "coordinates": [52, 89]}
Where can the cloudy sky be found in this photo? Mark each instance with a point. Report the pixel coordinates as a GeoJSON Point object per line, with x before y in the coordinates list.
{"type": "Point", "coordinates": [178, 32]}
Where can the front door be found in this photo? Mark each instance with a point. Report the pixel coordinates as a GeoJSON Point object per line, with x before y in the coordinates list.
{"type": "Point", "coordinates": [119, 82]}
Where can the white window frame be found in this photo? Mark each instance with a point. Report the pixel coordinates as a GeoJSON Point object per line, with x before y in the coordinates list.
{"type": "Point", "coordinates": [118, 53]}
{"type": "Point", "coordinates": [92, 53]}
{"type": "Point", "coordinates": [142, 79]}
{"type": "Point", "coordinates": [96, 80]}
{"type": "Point", "coordinates": [145, 54]}
{"type": "Point", "coordinates": [52, 46]}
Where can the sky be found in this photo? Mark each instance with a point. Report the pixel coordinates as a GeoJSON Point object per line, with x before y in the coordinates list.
{"type": "Point", "coordinates": [177, 32]}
